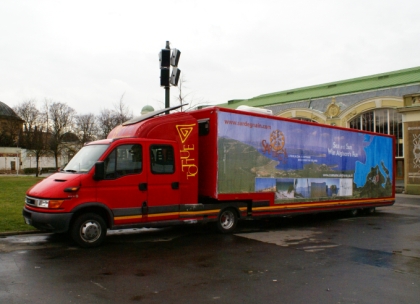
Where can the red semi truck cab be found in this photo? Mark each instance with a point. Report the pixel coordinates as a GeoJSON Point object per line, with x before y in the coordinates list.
{"type": "Point", "coordinates": [211, 165]}
{"type": "Point", "coordinates": [136, 177]}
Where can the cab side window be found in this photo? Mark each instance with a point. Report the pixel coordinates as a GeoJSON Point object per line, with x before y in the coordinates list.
{"type": "Point", "coordinates": [124, 160]}
{"type": "Point", "coordinates": [162, 159]}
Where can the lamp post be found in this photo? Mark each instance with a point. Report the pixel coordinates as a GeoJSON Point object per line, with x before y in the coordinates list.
{"type": "Point", "coordinates": [17, 162]}
{"type": "Point", "coordinates": [17, 156]}
{"type": "Point", "coordinates": [167, 58]}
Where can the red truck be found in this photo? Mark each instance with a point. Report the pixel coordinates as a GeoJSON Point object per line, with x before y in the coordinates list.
{"type": "Point", "coordinates": [212, 165]}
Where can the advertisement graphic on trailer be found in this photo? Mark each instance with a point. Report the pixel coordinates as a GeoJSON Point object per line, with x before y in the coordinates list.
{"type": "Point", "coordinates": [301, 162]}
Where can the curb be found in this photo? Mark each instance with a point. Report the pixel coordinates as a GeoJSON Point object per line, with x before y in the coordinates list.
{"type": "Point", "coordinates": [407, 195]}
{"type": "Point", "coordinates": [12, 233]}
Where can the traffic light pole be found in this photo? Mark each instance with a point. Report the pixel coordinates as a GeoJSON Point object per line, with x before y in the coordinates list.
{"type": "Point", "coordinates": [167, 95]}
{"type": "Point", "coordinates": [167, 99]}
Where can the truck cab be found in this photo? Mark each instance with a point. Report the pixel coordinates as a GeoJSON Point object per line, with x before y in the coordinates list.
{"type": "Point", "coordinates": [136, 177]}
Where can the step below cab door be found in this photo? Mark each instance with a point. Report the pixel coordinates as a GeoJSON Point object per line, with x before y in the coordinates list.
{"type": "Point", "coordinates": [162, 183]}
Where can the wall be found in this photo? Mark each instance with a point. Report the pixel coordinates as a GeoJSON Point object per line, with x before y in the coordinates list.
{"type": "Point", "coordinates": [411, 122]}
{"type": "Point", "coordinates": [24, 159]}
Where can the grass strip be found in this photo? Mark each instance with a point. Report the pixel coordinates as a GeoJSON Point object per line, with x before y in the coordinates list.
{"type": "Point", "coordinates": [12, 200]}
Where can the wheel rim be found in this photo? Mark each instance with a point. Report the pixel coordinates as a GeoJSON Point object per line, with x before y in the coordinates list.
{"type": "Point", "coordinates": [90, 231]}
{"type": "Point", "coordinates": [227, 219]}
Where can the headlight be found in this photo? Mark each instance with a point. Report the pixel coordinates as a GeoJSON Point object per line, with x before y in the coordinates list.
{"type": "Point", "coordinates": [43, 203]}
{"type": "Point", "coordinates": [53, 204]}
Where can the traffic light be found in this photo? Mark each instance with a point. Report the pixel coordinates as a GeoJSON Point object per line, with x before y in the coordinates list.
{"type": "Point", "coordinates": [165, 58]}
{"type": "Point", "coordinates": [164, 77]}
{"type": "Point", "coordinates": [168, 58]}
{"type": "Point", "coordinates": [175, 57]}
{"type": "Point", "coordinates": [175, 76]}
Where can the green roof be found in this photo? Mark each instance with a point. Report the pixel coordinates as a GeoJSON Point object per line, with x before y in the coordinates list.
{"type": "Point", "coordinates": [367, 83]}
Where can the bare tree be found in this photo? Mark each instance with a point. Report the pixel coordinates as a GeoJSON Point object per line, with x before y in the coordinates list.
{"type": "Point", "coordinates": [186, 99]}
{"type": "Point", "coordinates": [106, 121]}
{"type": "Point", "coordinates": [122, 111]}
{"type": "Point", "coordinates": [39, 145]}
{"type": "Point", "coordinates": [85, 128]}
{"type": "Point", "coordinates": [28, 111]}
{"type": "Point", "coordinates": [59, 119]}
{"type": "Point", "coordinates": [109, 119]}
{"type": "Point", "coordinates": [33, 137]}
{"type": "Point", "coordinates": [181, 86]}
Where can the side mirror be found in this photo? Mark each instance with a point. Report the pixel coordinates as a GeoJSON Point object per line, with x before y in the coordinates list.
{"type": "Point", "coordinates": [99, 171]}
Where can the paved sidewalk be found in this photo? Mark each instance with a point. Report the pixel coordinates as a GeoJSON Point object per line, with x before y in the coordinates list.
{"type": "Point", "coordinates": [407, 196]}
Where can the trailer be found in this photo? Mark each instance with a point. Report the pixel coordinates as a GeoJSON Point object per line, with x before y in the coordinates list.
{"type": "Point", "coordinates": [212, 165]}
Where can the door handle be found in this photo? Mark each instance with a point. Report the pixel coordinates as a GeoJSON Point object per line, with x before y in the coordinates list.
{"type": "Point", "coordinates": [175, 185]}
{"type": "Point", "coordinates": [143, 186]}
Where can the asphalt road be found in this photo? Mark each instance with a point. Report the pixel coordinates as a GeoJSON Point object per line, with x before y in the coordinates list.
{"type": "Point", "coordinates": [313, 259]}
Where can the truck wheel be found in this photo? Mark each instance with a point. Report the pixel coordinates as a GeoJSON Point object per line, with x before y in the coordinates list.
{"type": "Point", "coordinates": [369, 211]}
{"type": "Point", "coordinates": [88, 230]}
{"type": "Point", "coordinates": [353, 212]}
{"type": "Point", "coordinates": [227, 220]}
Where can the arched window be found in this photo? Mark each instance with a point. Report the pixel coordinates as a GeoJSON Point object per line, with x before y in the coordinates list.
{"type": "Point", "coordinates": [385, 121]}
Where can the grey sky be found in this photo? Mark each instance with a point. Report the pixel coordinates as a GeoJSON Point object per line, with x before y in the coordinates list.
{"type": "Point", "coordinates": [88, 53]}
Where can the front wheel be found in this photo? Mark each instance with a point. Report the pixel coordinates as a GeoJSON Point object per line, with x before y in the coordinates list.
{"type": "Point", "coordinates": [227, 220]}
{"type": "Point", "coordinates": [88, 230]}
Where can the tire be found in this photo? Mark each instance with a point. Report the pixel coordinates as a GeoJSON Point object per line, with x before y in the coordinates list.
{"type": "Point", "coordinates": [88, 230]}
{"type": "Point", "coordinates": [369, 211]}
{"type": "Point", "coordinates": [353, 212]}
{"type": "Point", "coordinates": [227, 221]}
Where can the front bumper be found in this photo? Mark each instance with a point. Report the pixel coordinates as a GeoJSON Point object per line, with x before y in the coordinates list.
{"type": "Point", "coordinates": [53, 222]}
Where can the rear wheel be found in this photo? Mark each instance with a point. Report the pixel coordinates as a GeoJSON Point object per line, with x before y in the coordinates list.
{"type": "Point", "coordinates": [369, 211]}
{"type": "Point", "coordinates": [353, 212]}
{"type": "Point", "coordinates": [227, 220]}
{"type": "Point", "coordinates": [88, 230]}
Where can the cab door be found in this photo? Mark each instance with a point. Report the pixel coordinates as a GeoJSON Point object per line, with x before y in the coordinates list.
{"type": "Point", "coordinates": [121, 190]}
{"type": "Point", "coordinates": [163, 184]}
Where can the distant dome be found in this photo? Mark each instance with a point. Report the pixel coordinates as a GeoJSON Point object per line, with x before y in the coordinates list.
{"type": "Point", "coordinates": [69, 137]}
{"type": "Point", "coordinates": [7, 112]}
{"type": "Point", "coordinates": [147, 109]}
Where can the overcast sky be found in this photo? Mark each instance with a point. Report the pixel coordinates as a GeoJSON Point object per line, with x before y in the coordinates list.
{"type": "Point", "coordinates": [89, 53]}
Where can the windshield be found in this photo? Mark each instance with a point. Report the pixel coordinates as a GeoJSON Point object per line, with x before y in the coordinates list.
{"type": "Point", "coordinates": [84, 160]}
